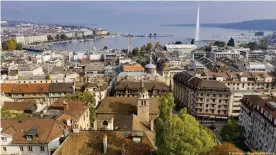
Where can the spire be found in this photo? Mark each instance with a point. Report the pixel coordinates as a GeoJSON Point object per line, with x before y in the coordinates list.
{"type": "Point", "coordinates": [197, 25]}
{"type": "Point", "coordinates": [142, 84]}
{"type": "Point", "coordinates": [142, 88]}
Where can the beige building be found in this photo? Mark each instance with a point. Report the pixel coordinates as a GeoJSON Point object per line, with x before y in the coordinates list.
{"type": "Point", "coordinates": [243, 83]}
{"type": "Point", "coordinates": [206, 100]}
{"type": "Point", "coordinates": [73, 114]}
{"type": "Point", "coordinates": [130, 88]}
{"type": "Point", "coordinates": [127, 113]}
{"type": "Point", "coordinates": [258, 117]}
{"type": "Point", "coordinates": [37, 91]}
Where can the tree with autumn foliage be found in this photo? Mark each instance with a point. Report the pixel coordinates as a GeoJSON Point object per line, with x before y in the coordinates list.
{"type": "Point", "coordinates": [180, 134]}
{"type": "Point", "coordinates": [223, 149]}
{"type": "Point", "coordinates": [157, 45]}
{"type": "Point", "coordinates": [149, 46]}
{"type": "Point", "coordinates": [11, 45]}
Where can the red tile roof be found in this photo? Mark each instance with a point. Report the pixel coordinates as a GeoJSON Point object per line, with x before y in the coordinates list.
{"type": "Point", "coordinates": [31, 88]}
{"type": "Point", "coordinates": [7, 87]}
{"type": "Point", "coordinates": [48, 130]}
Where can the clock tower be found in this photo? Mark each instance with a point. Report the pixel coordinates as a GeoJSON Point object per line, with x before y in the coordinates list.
{"type": "Point", "coordinates": [143, 105]}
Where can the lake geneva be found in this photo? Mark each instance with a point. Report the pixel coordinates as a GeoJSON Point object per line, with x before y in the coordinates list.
{"type": "Point", "coordinates": [180, 34]}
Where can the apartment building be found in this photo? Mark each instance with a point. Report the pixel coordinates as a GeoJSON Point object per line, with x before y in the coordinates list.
{"type": "Point", "coordinates": [37, 91]}
{"type": "Point", "coordinates": [206, 100]}
{"type": "Point", "coordinates": [72, 114]}
{"type": "Point", "coordinates": [214, 55]}
{"type": "Point", "coordinates": [243, 83]}
{"type": "Point", "coordinates": [259, 121]}
{"type": "Point", "coordinates": [130, 88]}
{"type": "Point", "coordinates": [32, 136]}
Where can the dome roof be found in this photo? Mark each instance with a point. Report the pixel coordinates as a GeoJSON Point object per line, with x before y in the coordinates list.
{"type": "Point", "coordinates": [150, 66]}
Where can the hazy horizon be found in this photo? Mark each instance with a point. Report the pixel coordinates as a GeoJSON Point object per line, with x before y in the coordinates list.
{"type": "Point", "coordinates": [144, 13]}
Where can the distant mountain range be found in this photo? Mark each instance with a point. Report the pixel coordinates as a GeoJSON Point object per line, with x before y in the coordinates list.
{"type": "Point", "coordinates": [12, 23]}
{"type": "Point", "coordinates": [265, 24]}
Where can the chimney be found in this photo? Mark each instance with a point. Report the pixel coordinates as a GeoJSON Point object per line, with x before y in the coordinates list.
{"type": "Point", "coordinates": [123, 150]}
{"type": "Point", "coordinates": [65, 103]}
{"type": "Point", "coordinates": [68, 121]}
{"type": "Point", "coordinates": [152, 125]}
{"type": "Point", "coordinates": [105, 144]}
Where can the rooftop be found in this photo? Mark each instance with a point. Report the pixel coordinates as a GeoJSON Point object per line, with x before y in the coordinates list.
{"type": "Point", "coordinates": [125, 105]}
{"type": "Point", "coordinates": [47, 130]}
{"type": "Point", "coordinates": [91, 142]}
{"type": "Point", "coordinates": [179, 46]}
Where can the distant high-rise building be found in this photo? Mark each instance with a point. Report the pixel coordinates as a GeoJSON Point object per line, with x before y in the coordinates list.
{"type": "Point", "coordinates": [197, 25]}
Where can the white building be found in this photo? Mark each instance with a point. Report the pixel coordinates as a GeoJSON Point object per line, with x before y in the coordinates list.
{"type": "Point", "coordinates": [19, 38]}
{"type": "Point", "coordinates": [28, 70]}
{"type": "Point", "coordinates": [29, 39]}
{"type": "Point", "coordinates": [214, 55]}
{"type": "Point", "coordinates": [98, 89]}
{"type": "Point", "coordinates": [183, 49]}
{"type": "Point", "coordinates": [259, 121]}
{"type": "Point", "coordinates": [123, 60]}
{"type": "Point", "coordinates": [30, 137]}
{"type": "Point", "coordinates": [95, 56]}
{"type": "Point", "coordinates": [255, 67]}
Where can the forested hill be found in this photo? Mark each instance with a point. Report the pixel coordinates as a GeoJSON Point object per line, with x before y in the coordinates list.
{"type": "Point", "coordinates": [266, 24]}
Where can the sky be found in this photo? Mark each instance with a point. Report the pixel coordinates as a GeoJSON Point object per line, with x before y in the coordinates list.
{"type": "Point", "coordinates": [143, 13]}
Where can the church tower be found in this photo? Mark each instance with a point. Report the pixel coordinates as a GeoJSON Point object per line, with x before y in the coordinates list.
{"type": "Point", "coordinates": [143, 105]}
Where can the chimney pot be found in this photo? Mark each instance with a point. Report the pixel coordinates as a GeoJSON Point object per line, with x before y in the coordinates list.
{"type": "Point", "coordinates": [152, 125]}
{"type": "Point", "coordinates": [123, 151]}
{"type": "Point", "coordinates": [105, 143]}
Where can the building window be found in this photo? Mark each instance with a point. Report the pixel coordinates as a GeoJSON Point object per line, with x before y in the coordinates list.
{"type": "Point", "coordinates": [30, 148]}
{"type": "Point", "coordinates": [105, 123]}
{"type": "Point", "coordinates": [4, 139]}
{"type": "Point", "coordinates": [42, 149]}
{"type": "Point", "coordinates": [29, 137]}
{"type": "Point", "coordinates": [21, 148]}
{"type": "Point", "coordinates": [4, 149]}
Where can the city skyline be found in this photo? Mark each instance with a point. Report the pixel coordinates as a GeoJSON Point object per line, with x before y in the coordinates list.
{"type": "Point", "coordinates": [143, 13]}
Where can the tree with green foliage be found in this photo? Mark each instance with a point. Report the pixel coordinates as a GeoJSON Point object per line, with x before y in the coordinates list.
{"type": "Point", "coordinates": [19, 46]}
{"type": "Point", "coordinates": [87, 97]}
{"type": "Point", "coordinates": [193, 41]}
{"type": "Point", "coordinates": [124, 50]}
{"type": "Point", "coordinates": [63, 37]}
{"type": "Point", "coordinates": [263, 43]}
{"type": "Point", "coordinates": [50, 38]}
{"type": "Point", "coordinates": [135, 51]}
{"type": "Point", "coordinates": [143, 48]}
{"type": "Point", "coordinates": [220, 43]}
{"type": "Point", "coordinates": [57, 37]}
{"type": "Point", "coordinates": [253, 45]}
{"type": "Point", "coordinates": [149, 46]}
{"type": "Point", "coordinates": [180, 134]}
{"type": "Point", "coordinates": [234, 133]}
{"type": "Point", "coordinates": [231, 42]}
{"type": "Point", "coordinates": [178, 42]}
